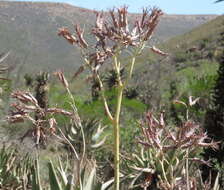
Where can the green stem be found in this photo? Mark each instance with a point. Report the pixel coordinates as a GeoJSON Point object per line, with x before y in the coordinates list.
{"type": "Point", "coordinates": [130, 71]}
{"type": "Point", "coordinates": [109, 115]}
{"type": "Point", "coordinates": [116, 126]}
{"type": "Point", "coordinates": [187, 170]}
{"type": "Point", "coordinates": [116, 119]}
{"type": "Point", "coordinates": [117, 138]}
{"type": "Point", "coordinates": [164, 172]}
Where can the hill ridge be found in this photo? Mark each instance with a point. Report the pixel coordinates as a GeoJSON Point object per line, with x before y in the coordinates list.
{"type": "Point", "coordinates": [29, 30]}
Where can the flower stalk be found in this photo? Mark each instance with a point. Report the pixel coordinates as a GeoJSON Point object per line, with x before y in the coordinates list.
{"type": "Point", "coordinates": [113, 38]}
{"type": "Point", "coordinates": [117, 136]}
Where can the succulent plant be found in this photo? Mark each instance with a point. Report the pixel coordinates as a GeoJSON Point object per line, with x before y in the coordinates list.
{"type": "Point", "coordinates": [15, 169]}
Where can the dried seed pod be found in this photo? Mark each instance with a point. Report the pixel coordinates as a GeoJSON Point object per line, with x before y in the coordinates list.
{"type": "Point", "coordinates": [18, 118]}
{"type": "Point", "coordinates": [53, 124]}
{"type": "Point", "coordinates": [156, 50]}
{"type": "Point", "coordinates": [25, 97]}
{"type": "Point", "coordinates": [58, 111]}
{"type": "Point", "coordinates": [67, 35]}
{"type": "Point", "coordinates": [81, 40]}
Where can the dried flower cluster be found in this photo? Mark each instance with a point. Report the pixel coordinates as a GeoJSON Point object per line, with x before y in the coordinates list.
{"type": "Point", "coordinates": [119, 30]}
{"type": "Point", "coordinates": [26, 108]}
{"type": "Point", "coordinates": [158, 135]}
{"type": "Point", "coordinates": [114, 33]}
{"type": "Point", "coordinates": [172, 148]}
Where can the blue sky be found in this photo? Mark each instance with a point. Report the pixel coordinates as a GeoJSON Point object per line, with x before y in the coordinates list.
{"type": "Point", "coordinates": [168, 6]}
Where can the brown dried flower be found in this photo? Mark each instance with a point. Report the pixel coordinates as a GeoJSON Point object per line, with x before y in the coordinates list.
{"type": "Point", "coordinates": [67, 35]}
{"type": "Point", "coordinates": [81, 40]}
{"type": "Point", "coordinates": [62, 78]}
{"type": "Point", "coordinates": [58, 111]}
{"type": "Point", "coordinates": [25, 97]}
{"type": "Point", "coordinates": [156, 50]}
{"type": "Point", "coordinates": [114, 33]}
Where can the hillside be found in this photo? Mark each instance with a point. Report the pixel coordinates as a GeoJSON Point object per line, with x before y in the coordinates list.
{"type": "Point", "coordinates": [190, 68]}
{"type": "Point", "coordinates": [29, 31]}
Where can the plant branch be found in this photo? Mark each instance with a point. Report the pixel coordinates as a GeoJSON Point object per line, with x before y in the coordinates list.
{"type": "Point", "coordinates": [104, 99]}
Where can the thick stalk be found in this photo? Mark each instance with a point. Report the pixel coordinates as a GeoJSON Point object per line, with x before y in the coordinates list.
{"type": "Point", "coordinates": [117, 139]}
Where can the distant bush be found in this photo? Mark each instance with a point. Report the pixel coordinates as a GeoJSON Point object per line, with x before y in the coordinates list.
{"type": "Point", "coordinates": [210, 54]}
{"type": "Point", "coordinates": [181, 57]}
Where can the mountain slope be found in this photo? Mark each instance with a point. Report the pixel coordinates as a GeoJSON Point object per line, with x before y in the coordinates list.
{"type": "Point", "coordinates": [191, 65]}
{"type": "Point", "coordinates": [29, 31]}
